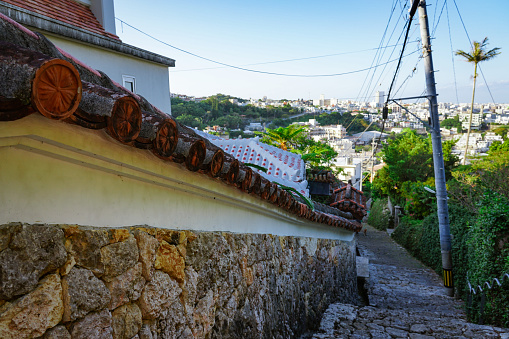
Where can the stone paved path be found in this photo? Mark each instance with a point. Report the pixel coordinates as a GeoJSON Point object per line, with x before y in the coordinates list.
{"type": "Point", "coordinates": [406, 300]}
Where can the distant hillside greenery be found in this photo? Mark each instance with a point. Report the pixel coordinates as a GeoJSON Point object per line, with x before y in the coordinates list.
{"type": "Point", "coordinates": [478, 214]}
{"type": "Point", "coordinates": [217, 110]}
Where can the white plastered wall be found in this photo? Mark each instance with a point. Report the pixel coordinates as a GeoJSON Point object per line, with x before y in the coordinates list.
{"type": "Point", "coordinates": [57, 173]}
{"type": "Point", "coordinates": [152, 80]}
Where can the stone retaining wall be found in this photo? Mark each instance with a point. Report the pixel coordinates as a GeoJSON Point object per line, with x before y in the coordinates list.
{"type": "Point", "coordinates": [63, 281]}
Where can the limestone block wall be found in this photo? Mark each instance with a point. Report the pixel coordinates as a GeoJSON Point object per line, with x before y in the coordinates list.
{"type": "Point", "coordinates": [67, 281]}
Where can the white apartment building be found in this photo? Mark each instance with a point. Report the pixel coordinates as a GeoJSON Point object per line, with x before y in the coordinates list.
{"type": "Point", "coordinates": [352, 170]}
{"type": "Point", "coordinates": [491, 136]}
{"type": "Point", "coordinates": [502, 119]}
{"type": "Point", "coordinates": [330, 132]}
{"type": "Point", "coordinates": [379, 99]}
{"type": "Point", "coordinates": [476, 120]}
{"type": "Point", "coordinates": [342, 146]}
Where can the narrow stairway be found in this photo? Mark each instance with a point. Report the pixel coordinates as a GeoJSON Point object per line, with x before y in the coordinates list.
{"type": "Point", "coordinates": [406, 300]}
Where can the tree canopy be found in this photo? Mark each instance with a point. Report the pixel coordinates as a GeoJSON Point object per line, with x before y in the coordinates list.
{"type": "Point", "coordinates": [452, 123]}
{"type": "Point", "coordinates": [295, 138]}
{"type": "Point", "coordinates": [409, 167]}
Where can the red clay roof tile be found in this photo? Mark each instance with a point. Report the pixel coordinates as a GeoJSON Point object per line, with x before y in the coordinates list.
{"type": "Point", "coordinates": [66, 11]}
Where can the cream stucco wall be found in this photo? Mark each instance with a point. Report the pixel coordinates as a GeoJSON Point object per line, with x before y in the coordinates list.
{"type": "Point", "coordinates": [152, 80]}
{"type": "Point", "coordinates": [54, 172]}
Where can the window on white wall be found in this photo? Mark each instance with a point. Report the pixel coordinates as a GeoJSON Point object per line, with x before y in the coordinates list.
{"type": "Point", "coordinates": [129, 82]}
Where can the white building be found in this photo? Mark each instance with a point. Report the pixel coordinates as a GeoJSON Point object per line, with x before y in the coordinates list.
{"type": "Point", "coordinates": [330, 132]}
{"type": "Point", "coordinates": [351, 170]}
{"type": "Point", "coordinates": [87, 31]}
{"type": "Point", "coordinates": [476, 120]}
{"type": "Point", "coordinates": [491, 136]}
{"type": "Point", "coordinates": [379, 99]}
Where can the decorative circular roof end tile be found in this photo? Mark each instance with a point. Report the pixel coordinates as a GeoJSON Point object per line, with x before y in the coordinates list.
{"type": "Point", "coordinates": [216, 165]}
{"type": "Point", "coordinates": [197, 153]}
{"type": "Point", "coordinates": [56, 89]}
{"type": "Point", "coordinates": [125, 121]}
{"type": "Point", "coordinates": [166, 139]}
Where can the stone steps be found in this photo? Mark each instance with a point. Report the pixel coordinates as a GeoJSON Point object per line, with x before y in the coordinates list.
{"type": "Point", "coordinates": [406, 300]}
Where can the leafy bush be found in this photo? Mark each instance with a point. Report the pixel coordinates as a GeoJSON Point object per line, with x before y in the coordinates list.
{"type": "Point", "coordinates": [380, 217]}
{"type": "Point", "coordinates": [489, 256]}
{"type": "Point", "coordinates": [480, 249]}
{"type": "Point", "coordinates": [408, 234]}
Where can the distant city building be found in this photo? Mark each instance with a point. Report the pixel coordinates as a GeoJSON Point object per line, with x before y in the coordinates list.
{"type": "Point", "coordinates": [379, 99]}
{"type": "Point", "coordinates": [326, 133]}
{"type": "Point", "coordinates": [476, 120]}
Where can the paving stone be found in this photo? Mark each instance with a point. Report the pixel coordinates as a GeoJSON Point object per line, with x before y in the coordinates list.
{"type": "Point", "coordinates": [379, 334]}
{"type": "Point", "coordinates": [420, 336]}
{"type": "Point", "coordinates": [418, 328]}
{"type": "Point", "coordinates": [396, 332]}
{"type": "Point", "coordinates": [406, 299]}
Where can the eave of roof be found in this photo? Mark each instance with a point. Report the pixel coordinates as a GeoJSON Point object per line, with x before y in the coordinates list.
{"type": "Point", "coordinates": [56, 27]}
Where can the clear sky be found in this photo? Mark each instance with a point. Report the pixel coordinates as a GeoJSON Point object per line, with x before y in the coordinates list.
{"type": "Point", "coordinates": [330, 37]}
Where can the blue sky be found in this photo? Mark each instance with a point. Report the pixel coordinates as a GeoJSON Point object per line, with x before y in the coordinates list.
{"type": "Point", "coordinates": [335, 36]}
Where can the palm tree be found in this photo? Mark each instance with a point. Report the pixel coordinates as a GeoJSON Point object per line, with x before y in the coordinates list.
{"type": "Point", "coordinates": [477, 54]}
{"type": "Point", "coordinates": [284, 137]}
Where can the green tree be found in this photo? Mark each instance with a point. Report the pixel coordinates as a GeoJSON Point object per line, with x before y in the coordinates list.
{"type": "Point", "coordinates": [409, 166]}
{"type": "Point", "coordinates": [502, 131]}
{"type": "Point", "coordinates": [498, 146]}
{"type": "Point", "coordinates": [189, 120]}
{"type": "Point", "coordinates": [317, 154]}
{"type": "Point", "coordinates": [477, 54]}
{"type": "Point", "coordinates": [452, 123]}
{"type": "Point", "coordinates": [284, 137]}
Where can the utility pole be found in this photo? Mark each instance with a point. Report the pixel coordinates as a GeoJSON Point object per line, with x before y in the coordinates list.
{"type": "Point", "coordinates": [438, 157]}
{"type": "Point", "coordinates": [373, 145]}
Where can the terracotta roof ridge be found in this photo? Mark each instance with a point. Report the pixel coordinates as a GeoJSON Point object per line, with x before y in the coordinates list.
{"type": "Point", "coordinates": [96, 102]}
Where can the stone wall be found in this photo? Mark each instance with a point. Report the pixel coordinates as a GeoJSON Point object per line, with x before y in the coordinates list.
{"type": "Point", "coordinates": [63, 281]}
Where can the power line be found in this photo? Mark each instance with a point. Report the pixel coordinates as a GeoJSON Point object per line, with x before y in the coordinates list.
{"type": "Point", "coordinates": [385, 67]}
{"type": "Point", "coordinates": [414, 70]}
{"type": "Point", "coordinates": [289, 60]}
{"type": "Point", "coordinates": [393, 8]}
{"type": "Point", "coordinates": [452, 54]}
{"type": "Point", "coordinates": [470, 41]}
{"type": "Point", "coordinates": [435, 14]}
{"type": "Point", "coordinates": [439, 17]}
{"type": "Point", "coordinates": [253, 70]}
{"type": "Point", "coordinates": [412, 12]}
{"type": "Point", "coordinates": [368, 89]}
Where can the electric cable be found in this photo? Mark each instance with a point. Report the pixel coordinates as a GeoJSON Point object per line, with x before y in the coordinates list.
{"type": "Point", "coordinates": [252, 70]}
{"type": "Point", "coordinates": [470, 41]}
{"type": "Point", "coordinates": [288, 60]}
{"type": "Point", "coordinates": [384, 68]}
{"type": "Point", "coordinates": [412, 13]}
{"type": "Point", "coordinates": [393, 7]}
{"type": "Point", "coordinates": [368, 88]}
{"type": "Point", "coordinates": [439, 17]}
{"type": "Point", "coordinates": [385, 109]}
{"type": "Point", "coordinates": [452, 54]}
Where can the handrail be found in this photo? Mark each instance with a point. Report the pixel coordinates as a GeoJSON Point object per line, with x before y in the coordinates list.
{"type": "Point", "coordinates": [487, 283]}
